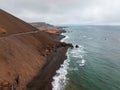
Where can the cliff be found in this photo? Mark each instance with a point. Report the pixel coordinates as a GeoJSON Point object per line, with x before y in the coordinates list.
{"type": "Point", "coordinates": [53, 31]}
{"type": "Point", "coordinates": [28, 56]}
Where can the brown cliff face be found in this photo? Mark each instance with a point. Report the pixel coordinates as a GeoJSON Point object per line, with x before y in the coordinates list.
{"type": "Point", "coordinates": [53, 31]}
{"type": "Point", "coordinates": [23, 51]}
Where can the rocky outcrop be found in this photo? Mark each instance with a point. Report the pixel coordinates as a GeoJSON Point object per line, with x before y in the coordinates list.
{"type": "Point", "coordinates": [76, 46]}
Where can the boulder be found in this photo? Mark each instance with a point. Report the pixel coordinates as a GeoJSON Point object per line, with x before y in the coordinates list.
{"type": "Point", "coordinates": [77, 46]}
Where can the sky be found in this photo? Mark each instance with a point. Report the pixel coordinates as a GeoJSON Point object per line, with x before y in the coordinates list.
{"type": "Point", "coordinates": [65, 11]}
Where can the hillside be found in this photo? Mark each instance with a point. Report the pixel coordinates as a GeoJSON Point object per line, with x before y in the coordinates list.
{"type": "Point", "coordinates": [53, 31]}
{"type": "Point", "coordinates": [24, 55]}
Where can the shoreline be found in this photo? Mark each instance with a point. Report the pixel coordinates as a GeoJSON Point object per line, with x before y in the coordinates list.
{"type": "Point", "coordinates": [59, 77]}
{"type": "Point", "coordinates": [54, 31]}
{"type": "Point", "coordinates": [59, 37]}
{"type": "Point", "coordinates": [44, 78]}
{"type": "Point", "coordinates": [29, 56]}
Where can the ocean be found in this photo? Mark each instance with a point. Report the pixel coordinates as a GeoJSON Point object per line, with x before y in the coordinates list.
{"type": "Point", "coordinates": [95, 65]}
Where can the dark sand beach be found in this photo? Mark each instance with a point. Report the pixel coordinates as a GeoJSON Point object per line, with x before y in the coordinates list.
{"type": "Point", "coordinates": [29, 57]}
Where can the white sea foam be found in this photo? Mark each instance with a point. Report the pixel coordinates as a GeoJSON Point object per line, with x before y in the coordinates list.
{"type": "Point", "coordinates": [59, 80]}
{"type": "Point", "coordinates": [60, 77]}
{"type": "Point", "coordinates": [79, 53]}
{"type": "Point", "coordinates": [82, 63]}
{"type": "Point", "coordinates": [66, 37]}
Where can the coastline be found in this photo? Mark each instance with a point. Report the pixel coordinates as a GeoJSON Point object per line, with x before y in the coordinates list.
{"type": "Point", "coordinates": [54, 31]}
{"type": "Point", "coordinates": [43, 80]}
{"type": "Point", "coordinates": [59, 36]}
{"type": "Point", "coordinates": [29, 56]}
{"type": "Point", "coordinates": [60, 76]}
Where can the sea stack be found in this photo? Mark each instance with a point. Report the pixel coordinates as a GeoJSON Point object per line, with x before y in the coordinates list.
{"type": "Point", "coordinates": [77, 46]}
{"type": "Point", "coordinates": [28, 57]}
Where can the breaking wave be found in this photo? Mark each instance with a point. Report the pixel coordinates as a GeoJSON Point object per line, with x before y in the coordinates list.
{"type": "Point", "coordinates": [59, 80]}
{"type": "Point", "coordinates": [60, 77]}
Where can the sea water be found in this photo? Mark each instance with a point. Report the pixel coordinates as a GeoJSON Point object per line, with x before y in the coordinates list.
{"type": "Point", "coordinates": [95, 65]}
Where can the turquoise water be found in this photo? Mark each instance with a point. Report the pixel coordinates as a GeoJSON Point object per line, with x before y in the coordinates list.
{"type": "Point", "coordinates": [95, 65]}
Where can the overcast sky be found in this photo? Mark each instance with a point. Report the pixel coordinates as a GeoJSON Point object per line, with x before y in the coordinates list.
{"type": "Point", "coordinates": [65, 11]}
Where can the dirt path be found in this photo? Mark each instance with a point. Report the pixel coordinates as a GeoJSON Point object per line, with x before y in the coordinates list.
{"type": "Point", "coordinates": [12, 35]}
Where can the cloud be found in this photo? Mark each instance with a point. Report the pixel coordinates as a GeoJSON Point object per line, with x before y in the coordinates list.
{"type": "Point", "coordinates": [65, 11]}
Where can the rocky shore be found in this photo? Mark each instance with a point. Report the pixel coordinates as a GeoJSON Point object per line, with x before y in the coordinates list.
{"type": "Point", "coordinates": [55, 59]}
{"type": "Point", "coordinates": [29, 56]}
{"type": "Point", "coordinates": [53, 31]}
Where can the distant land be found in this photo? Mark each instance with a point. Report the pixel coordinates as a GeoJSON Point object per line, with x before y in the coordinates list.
{"type": "Point", "coordinates": [29, 53]}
